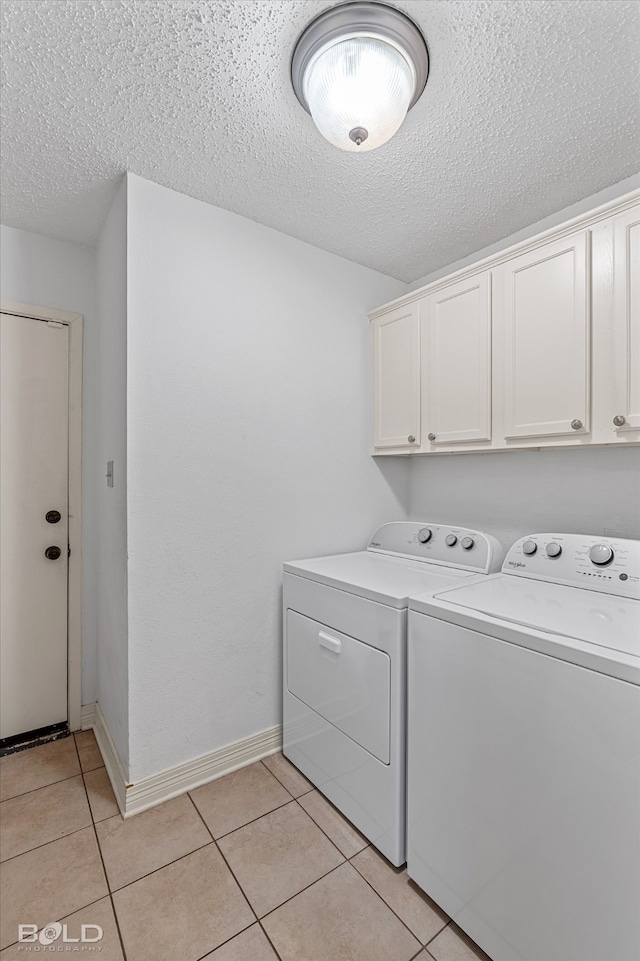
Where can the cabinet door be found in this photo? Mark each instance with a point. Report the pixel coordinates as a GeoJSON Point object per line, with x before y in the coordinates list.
{"type": "Point", "coordinates": [396, 353]}
{"type": "Point", "coordinates": [456, 362]}
{"type": "Point", "coordinates": [545, 325]}
{"type": "Point", "coordinates": [626, 319]}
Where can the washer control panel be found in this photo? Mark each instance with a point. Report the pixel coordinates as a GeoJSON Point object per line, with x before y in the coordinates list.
{"type": "Point", "coordinates": [607, 564]}
{"type": "Point", "coordinates": [439, 544]}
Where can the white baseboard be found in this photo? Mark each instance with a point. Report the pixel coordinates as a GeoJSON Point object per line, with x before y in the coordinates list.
{"type": "Point", "coordinates": [153, 790]}
{"type": "Point", "coordinates": [87, 716]}
{"type": "Point", "coordinates": [111, 758]}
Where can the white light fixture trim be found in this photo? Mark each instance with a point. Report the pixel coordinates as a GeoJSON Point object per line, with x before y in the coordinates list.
{"type": "Point", "coordinates": [357, 69]}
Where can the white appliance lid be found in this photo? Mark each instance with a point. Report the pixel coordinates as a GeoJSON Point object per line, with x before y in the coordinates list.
{"type": "Point", "coordinates": [603, 620]}
{"type": "Point", "coordinates": [383, 578]}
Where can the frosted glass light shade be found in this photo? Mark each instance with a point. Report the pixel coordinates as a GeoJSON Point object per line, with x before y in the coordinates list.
{"type": "Point", "coordinates": [360, 84]}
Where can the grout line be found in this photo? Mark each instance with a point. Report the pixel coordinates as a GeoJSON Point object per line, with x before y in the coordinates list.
{"type": "Point", "coordinates": [273, 947]}
{"type": "Point", "coordinates": [24, 793]}
{"type": "Point", "coordinates": [321, 829]}
{"type": "Point", "coordinates": [252, 821]}
{"type": "Point", "coordinates": [155, 870]}
{"type": "Point", "coordinates": [62, 837]}
{"type": "Point", "coordinates": [89, 905]}
{"type": "Point", "coordinates": [104, 868]}
{"type": "Point", "coordinates": [431, 940]}
{"type": "Point", "coordinates": [306, 888]}
{"type": "Point", "coordinates": [384, 901]}
{"type": "Point", "coordinates": [223, 858]}
{"type": "Point", "coordinates": [312, 787]}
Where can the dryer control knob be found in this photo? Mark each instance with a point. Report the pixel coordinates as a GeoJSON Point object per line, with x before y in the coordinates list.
{"type": "Point", "coordinates": [601, 554]}
{"type": "Point", "coordinates": [553, 550]}
{"type": "Point", "coordinates": [529, 548]}
{"type": "Point", "coordinates": [424, 535]}
{"type": "Point", "coordinates": [451, 540]}
{"type": "Point", "coordinates": [467, 543]}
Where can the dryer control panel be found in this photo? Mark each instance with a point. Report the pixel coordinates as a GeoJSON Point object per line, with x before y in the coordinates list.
{"type": "Point", "coordinates": [439, 544]}
{"type": "Point", "coordinates": [607, 564]}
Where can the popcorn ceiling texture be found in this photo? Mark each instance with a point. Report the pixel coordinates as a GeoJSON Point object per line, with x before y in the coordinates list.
{"type": "Point", "coordinates": [530, 106]}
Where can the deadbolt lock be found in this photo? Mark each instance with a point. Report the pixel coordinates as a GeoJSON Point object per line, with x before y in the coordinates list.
{"type": "Point", "coordinates": [52, 553]}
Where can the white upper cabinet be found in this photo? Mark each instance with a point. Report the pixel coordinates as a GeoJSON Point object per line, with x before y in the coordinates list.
{"type": "Point", "coordinates": [456, 363]}
{"type": "Point", "coordinates": [396, 357]}
{"type": "Point", "coordinates": [544, 323]}
{"type": "Point", "coordinates": [626, 320]}
{"type": "Point", "coordinates": [535, 346]}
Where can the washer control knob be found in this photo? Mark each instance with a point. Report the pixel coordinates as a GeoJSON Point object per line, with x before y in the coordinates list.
{"type": "Point", "coordinates": [424, 535]}
{"type": "Point", "coordinates": [529, 548]}
{"type": "Point", "coordinates": [553, 550]}
{"type": "Point", "coordinates": [451, 540]}
{"type": "Point", "coordinates": [467, 543]}
{"type": "Point", "coordinates": [601, 554]}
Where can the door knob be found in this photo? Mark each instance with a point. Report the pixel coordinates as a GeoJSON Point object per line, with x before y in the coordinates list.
{"type": "Point", "coordinates": [619, 420]}
{"type": "Point", "coordinates": [52, 517]}
{"type": "Point", "coordinates": [52, 553]}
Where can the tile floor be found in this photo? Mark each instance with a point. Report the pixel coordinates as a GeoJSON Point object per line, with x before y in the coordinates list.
{"type": "Point", "coordinates": [255, 866]}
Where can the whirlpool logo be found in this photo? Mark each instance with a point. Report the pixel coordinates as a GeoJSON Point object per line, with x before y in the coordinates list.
{"type": "Point", "coordinates": [516, 564]}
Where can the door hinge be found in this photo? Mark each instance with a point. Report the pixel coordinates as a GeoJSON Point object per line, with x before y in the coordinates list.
{"type": "Point", "coordinates": [68, 550]}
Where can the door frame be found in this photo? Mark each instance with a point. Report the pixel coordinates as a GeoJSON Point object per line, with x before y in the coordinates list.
{"type": "Point", "coordinates": [75, 323]}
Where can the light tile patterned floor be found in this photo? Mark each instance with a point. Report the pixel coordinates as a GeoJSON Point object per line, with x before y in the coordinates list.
{"type": "Point", "coordinates": [256, 866]}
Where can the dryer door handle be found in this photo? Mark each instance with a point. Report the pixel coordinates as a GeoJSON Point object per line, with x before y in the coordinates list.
{"type": "Point", "coordinates": [331, 643]}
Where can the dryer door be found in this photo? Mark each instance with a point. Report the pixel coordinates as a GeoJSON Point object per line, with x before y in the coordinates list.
{"type": "Point", "coordinates": [344, 680]}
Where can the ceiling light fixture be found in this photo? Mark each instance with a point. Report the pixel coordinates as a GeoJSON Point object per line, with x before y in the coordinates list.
{"type": "Point", "coordinates": [357, 69]}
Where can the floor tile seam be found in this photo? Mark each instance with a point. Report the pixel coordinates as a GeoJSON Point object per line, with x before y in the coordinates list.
{"type": "Point", "coordinates": [393, 911]}
{"type": "Point", "coordinates": [431, 940]}
{"type": "Point", "coordinates": [301, 891]}
{"type": "Point", "coordinates": [53, 921]}
{"type": "Point", "coordinates": [104, 867]}
{"type": "Point", "coordinates": [50, 784]}
{"type": "Point", "coordinates": [266, 934]}
{"type": "Point", "coordinates": [210, 951]}
{"type": "Point", "coordinates": [320, 828]}
{"type": "Point", "coordinates": [148, 874]}
{"type": "Point", "coordinates": [225, 861]}
{"type": "Point", "coordinates": [44, 844]}
{"type": "Point", "coordinates": [241, 826]}
{"type": "Point", "coordinates": [273, 774]}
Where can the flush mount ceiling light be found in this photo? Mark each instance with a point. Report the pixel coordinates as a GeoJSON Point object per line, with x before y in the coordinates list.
{"type": "Point", "coordinates": [357, 69]}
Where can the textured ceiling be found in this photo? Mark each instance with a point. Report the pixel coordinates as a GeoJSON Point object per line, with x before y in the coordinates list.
{"type": "Point", "coordinates": [531, 105]}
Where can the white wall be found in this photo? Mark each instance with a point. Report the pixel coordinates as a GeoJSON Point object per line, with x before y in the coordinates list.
{"type": "Point", "coordinates": [519, 492]}
{"type": "Point", "coordinates": [575, 210]}
{"type": "Point", "coordinates": [43, 272]}
{"type": "Point", "coordinates": [249, 424]}
{"type": "Point", "coordinates": [113, 669]}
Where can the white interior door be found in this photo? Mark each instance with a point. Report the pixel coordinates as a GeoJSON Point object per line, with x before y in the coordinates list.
{"type": "Point", "coordinates": [34, 442]}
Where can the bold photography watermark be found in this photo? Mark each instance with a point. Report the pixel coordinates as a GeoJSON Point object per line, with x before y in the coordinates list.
{"type": "Point", "coordinates": [56, 937]}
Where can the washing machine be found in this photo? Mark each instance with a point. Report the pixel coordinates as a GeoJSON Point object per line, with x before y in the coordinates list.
{"type": "Point", "coordinates": [345, 629]}
{"type": "Point", "coordinates": [524, 751]}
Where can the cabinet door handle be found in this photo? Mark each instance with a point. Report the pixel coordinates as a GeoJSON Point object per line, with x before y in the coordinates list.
{"type": "Point", "coordinates": [619, 420]}
{"type": "Point", "coordinates": [431, 436]}
{"type": "Point", "coordinates": [576, 425]}
{"type": "Point", "coordinates": [331, 643]}
{"type": "Point", "coordinates": [411, 439]}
